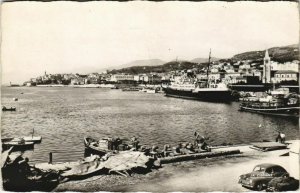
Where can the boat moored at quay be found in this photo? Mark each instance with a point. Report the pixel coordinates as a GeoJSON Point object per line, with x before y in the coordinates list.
{"type": "Point", "coordinates": [206, 90]}
{"type": "Point", "coordinates": [280, 102]}
{"type": "Point", "coordinates": [217, 92]}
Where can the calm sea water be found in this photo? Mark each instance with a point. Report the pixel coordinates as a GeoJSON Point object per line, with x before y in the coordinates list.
{"type": "Point", "coordinates": [63, 116]}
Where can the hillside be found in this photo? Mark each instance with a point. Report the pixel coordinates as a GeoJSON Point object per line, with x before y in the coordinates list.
{"type": "Point", "coordinates": [167, 67]}
{"type": "Point", "coordinates": [279, 54]}
{"type": "Point", "coordinates": [204, 60]}
{"type": "Point", "coordinates": [151, 62]}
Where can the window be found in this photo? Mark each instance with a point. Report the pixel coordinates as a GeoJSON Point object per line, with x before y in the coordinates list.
{"type": "Point", "coordinates": [258, 168]}
{"type": "Point", "coordinates": [279, 170]}
{"type": "Point", "coordinates": [269, 170]}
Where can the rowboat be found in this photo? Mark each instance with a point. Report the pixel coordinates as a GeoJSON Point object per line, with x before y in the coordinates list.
{"type": "Point", "coordinates": [9, 109]}
{"type": "Point", "coordinates": [35, 139]}
{"type": "Point", "coordinates": [17, 143]}
{"type": "Point", "coordinates": [99, 147]}
{"type": "Point", "coordinates": [103, 146]}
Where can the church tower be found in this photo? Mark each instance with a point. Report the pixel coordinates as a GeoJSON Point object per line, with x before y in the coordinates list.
{"type": "Point", "coordinates": [267, 68]}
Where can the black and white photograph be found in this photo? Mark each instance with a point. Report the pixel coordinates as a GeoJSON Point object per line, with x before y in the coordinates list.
{"type": "Point", "coordinates": [145, 96]}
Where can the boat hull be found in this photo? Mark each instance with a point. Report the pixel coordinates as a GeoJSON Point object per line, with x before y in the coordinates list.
{"type": "Point", "coordinates": [9, 109]}
{"type": "Point", "coordinates": [90, 148]}
{"type": "Point", "coordinates": [17, 146]}
{"type": "Point", "coordinates": [283, 111]}
{"type": "Point", "coordinates": [213, 95]}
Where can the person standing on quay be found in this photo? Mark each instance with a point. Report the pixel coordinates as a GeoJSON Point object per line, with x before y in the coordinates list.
{"type": "Point", "coordinates": [278, 138]}
{"type": "Point", "coordinates": [282, 137]}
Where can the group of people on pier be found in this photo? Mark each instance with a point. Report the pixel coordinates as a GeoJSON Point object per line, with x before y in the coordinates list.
{"type": "Point", "coordinates": [198, 145]}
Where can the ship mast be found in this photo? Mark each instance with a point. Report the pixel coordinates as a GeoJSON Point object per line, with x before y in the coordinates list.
{"type": "Point", "coordinates": [209, 57]}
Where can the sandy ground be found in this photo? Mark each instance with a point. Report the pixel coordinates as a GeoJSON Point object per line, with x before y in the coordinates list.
{"type": "Point", "coordinates": [206, 175]}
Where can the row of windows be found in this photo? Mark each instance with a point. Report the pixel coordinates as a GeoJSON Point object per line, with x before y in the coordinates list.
{"type": "Point", "coordinates": [285, 75]}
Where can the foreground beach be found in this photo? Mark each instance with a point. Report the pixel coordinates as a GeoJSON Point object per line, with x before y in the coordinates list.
{"type": "Point", "coordinates": [210, 174]}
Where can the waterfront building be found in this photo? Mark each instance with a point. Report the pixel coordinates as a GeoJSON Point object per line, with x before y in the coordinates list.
{"type": "Point", "coordinates": [121, 77]}
{"type": "Point", "coordinates": [294, 66]}
{"type": "Point", "coordinates": [136, 78]}
{"type": "Point", "coordinates": [78, 81]}
{"type": "Point", "coordinates": [267, 68]}
{"type": "Point", "coordinates": [153, 78]}
{"type": "Point", "coordinates": [144, 78]}
{"type": "Point", "coordinates": [68, 76]}
{"type": "Point", "coordinates": [214, 76]}
{"type": "Point", "coordinates": [93, 78]}
{"type": "Point", "coordinates": [201, 76]}
{"type": "Point", "coordinates": [257, 73]}
{"type": "Point", "coordinates": [245, 66]}
{"type": "Point", "coordinates": [214, 70]}
{"type": "Point", "coordinates": [232, 78]}
{"type": "Point", "coordinates": [285, 75]}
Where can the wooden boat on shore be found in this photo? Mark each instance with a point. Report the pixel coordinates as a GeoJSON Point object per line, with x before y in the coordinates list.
{"type": "Point", "coordinates": [103, 146]}
{"type": "Point", "coordinates": [100, 147]}
{"type": "Point", "coordinates": [9, 109]}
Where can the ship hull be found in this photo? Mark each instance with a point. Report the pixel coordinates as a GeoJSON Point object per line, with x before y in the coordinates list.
{"type": "Point", "coordinates": [209, 95]}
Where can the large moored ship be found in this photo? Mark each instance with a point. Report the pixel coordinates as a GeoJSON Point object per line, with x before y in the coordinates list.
{"type": "Point", "coordinates": [212, 92]}
{"type": "Point", "coordinates": [200, 90]}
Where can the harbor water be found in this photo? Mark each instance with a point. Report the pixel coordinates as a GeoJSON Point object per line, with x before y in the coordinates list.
{"type": "Point", "coordinates": [63, 116]}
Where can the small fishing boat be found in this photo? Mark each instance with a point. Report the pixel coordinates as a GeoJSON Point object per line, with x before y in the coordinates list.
{"type": "Point", "coordinates": [19, 176]}
{"type": "Point", "coordinates": [103, 146]}
{"type": "Point", "coordinates": [35, 139]}
{"type": "Point", "coordinates": [149, 90]}
{"type": "Point", "coordinates": [9, 109]}
{"type": "Point", "coordinates": [131, 89]}
{"type": "Point", "coordinates": [100, 147]}
{"type": "Point", "coordinates": [17, 143]}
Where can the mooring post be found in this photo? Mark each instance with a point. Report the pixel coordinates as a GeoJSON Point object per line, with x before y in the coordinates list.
{"type": "Point", "coordinates": [50, 158]}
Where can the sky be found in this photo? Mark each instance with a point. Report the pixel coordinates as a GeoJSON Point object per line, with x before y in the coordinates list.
{"type": "Point", "coordinates": [65, 37]}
